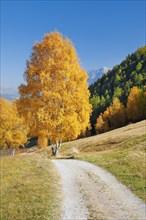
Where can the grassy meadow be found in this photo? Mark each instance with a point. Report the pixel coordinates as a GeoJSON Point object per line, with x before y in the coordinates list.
{"type": "Point", "coordinates": [29, 188]}
{"type": "Point", "coordinates": [121, 152]}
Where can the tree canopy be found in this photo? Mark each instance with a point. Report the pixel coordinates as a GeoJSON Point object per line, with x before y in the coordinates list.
{"type": "Point", "coordinates": [13, 131]}
{"type": "Point", "coordinates": [118, 83]}
{"type": "Point", "coordinates": [136, 105]}
{"type": "Point", "coordinates": [55, 99]}
{"type": "Point", "coordinates": [113, 117]}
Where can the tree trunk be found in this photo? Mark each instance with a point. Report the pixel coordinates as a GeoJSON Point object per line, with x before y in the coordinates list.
{"type": "Point", "coordinates": [55, 150]}
{"type": "Point", "coordinates": [13, 153]}
{"type": "Point", "coordinates": [42, 142]}
{"type": "Point", "coordinates": [58, 145]}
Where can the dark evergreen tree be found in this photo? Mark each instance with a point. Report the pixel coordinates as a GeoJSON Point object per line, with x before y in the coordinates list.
{"type": "Point", "coordinates": [118, 83]}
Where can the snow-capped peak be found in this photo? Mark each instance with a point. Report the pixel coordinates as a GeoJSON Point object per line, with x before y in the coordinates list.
{"type": "Point", "coordinates": [94, 75]}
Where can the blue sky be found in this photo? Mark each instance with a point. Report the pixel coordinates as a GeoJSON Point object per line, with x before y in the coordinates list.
{"type": "Point", "coordinates": [103, 32]}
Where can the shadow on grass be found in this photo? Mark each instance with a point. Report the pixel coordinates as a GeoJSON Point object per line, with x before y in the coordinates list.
{"type": "Point", "coordinates": [31, 142]}
{"type": "Point", "coordinates": [64, 157]}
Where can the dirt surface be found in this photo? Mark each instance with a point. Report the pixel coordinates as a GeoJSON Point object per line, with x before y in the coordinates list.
{"type": "Point", "coordinates": [92, 193]}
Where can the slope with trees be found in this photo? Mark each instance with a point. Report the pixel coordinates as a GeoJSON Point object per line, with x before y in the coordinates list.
{"type": "Point", "coordinates": [118, 83]}
{"type": "Point", "coordinates": [117, 115]}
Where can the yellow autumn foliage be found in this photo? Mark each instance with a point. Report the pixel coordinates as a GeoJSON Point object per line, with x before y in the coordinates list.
{"type": "Point", "coordinates": [99, 126]}
{"type": "Point", "coordinates": [136, 105]}
{"type": "Point", "coordinates": [113, 117]}
{"type": "Point", "coordinates": [117, 114]}
{"type": "Point", "coordinates": [13, 131]}
{"type": "Point", "coordinates": [55, 99]}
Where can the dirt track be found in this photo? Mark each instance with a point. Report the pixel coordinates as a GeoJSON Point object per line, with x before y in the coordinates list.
{"type": "Point", "coordinates": [91, 192]}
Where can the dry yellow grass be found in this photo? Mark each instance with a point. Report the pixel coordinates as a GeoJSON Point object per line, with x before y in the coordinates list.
{"type": "Point", "coordinates": [29, 188]}
{"type": "Point", "coordinates": [29, 184]}
{"type": "Point", "coordinates": [121, 152]}
{"type": "Point", "coordinates": [129, 131]}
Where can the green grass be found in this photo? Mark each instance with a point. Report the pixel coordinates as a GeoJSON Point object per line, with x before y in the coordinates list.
{"type": "Point", "coordinates": [121, 152]}
{"type": "Point", "coordinates": [29, 188]}
{"type": "Point", "coordinates": [127, 163]}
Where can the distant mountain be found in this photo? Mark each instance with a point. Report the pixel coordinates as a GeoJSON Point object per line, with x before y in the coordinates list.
{"type": "Point", "coordinates": [94, 75]}
{"type": "Point", "coordinates": [9, 93]}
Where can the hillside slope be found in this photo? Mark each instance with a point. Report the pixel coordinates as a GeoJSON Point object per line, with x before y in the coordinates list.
{"type": "Point", "coordinates": [118, 82]}
{"type": "Point", "coordinates": [131, 72]}
{"type": "Point", "coordinates": [121, 152]}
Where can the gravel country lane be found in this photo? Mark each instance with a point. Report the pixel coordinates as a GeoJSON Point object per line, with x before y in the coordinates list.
{"type": "Point", "coordinates": [92, 193]}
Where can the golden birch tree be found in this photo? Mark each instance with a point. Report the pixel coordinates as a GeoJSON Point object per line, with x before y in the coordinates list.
{"type": "Point", "coordinates": [13, 131]}
{"type": "Point", "coordinates": [113, 117]}
{"type": "Point", "coordinates": [117, 114]}
{"type": "Point", "coordinates": [99, 126]}
{"type": "Point", "coordinates": [106, 116]}
{"type": "Point", "coordinates": [102, 124]}
{"type": "Point", "coordinates": [55, 98]}
{"type": "Point", "coordinates": [136, 105]}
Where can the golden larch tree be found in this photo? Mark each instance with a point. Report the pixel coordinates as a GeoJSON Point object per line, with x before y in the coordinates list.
{"type": "Point", "coordinates": [117, 114]}
{"type": "Point", "coordinates": [106, 116]}
{"type": "Point", "coordinates": [13, 131]}
{"type": "Point", "coordinates": [136, 105]}
{"type": "Point", "coordinates": [113, 117]}
{"type": "Point", "coordinates": [99, 126]}
{"type": "Point", "coordinates": [55, 99]}
{"type": "Point", "coordinates": [102, 122]}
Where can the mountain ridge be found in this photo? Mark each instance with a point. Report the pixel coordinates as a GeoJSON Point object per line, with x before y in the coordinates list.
{"type": "Point", "coordinates": [9, 93]}
{"type": "Point", "coordinates": [95, 74]}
